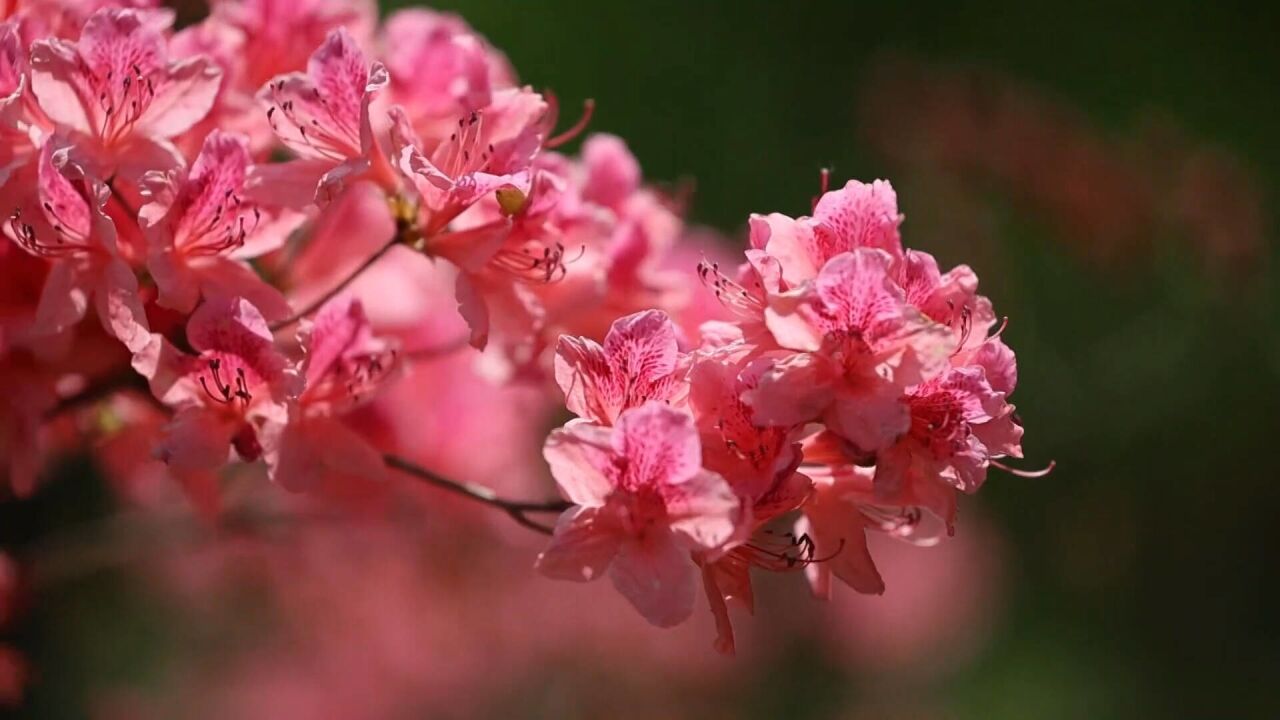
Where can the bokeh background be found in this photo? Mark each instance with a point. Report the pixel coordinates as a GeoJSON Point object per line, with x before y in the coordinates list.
{"type": "Point", "coordinates": [1111, 172]}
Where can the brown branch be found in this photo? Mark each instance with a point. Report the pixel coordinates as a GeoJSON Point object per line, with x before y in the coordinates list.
{"type": "Point", "coordinates": [517, 510]}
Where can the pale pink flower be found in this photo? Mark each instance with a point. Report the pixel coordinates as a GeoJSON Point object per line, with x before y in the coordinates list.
{"type": "Point", "coordinates": [640, 361]}
{"type": "Point", "coordinates": [322, 115]}
{"type": "Point", "coordinates": [117, 93]}
{"type": "Point", "coordinates": [643, 502]}
{"type": "Point", "coordinates": [201, 228]}
{"type": "Point", "coordinates": [344, 366]}
{"type": "Point", "coordinates": [63, 221]}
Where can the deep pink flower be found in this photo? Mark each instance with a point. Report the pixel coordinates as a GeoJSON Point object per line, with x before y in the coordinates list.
{"type": "Point", "coordinates": [322, 115]}
{"type": "Point", "coordinates": [63, 221]}
{"type": "Point", "coordinates": [223, 397]}
{"type": "Point", "coordinates": [117, 93]}
{"type": "Point", "coordinates": [201, 228]}
{"type": "Point", "coordinates": [643, 502]}
{"type": "Point", "coordinates": [639, 362]}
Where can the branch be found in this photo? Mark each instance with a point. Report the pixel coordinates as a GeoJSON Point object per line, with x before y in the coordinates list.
{"type": "Point", "coordinates": [315, 304]}
{"type": "Point", "coordinates": [517, 510]}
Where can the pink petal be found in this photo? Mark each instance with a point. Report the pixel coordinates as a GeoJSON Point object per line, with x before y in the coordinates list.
{"type": "Point", "coordinates": [585, 542]}
{"type": "Point", "coordinates": [642, 348]}
{"type": "Point", "coordinates": [65, 208]}
{"type": "Point", "coordinates": [182, 99]}
{"type": "Point", "coordinates": [870, 415]}
{"type": "Point", "coordinates": [579, 455]}
{"type": "Point", "coordinates": [793, 390]}
{"type": "Point", "coordinates": [705, 510]}
{"type": "Point", "coordinates": [119, 307]}
{"type": "Point", "coordinates": [612, 171]}
{"type": "Point", "coordinates": [195, 439]}
{"type": "Point", "coordinates": [314, 452]}
{"type": "Point", "coordinates": [177, 286]}
{"type": "Point", "coordinates": [474, 309]}
{"type": "Point", "coordinates": [660, 444]}
{"type": "Point", "coordinates": [228, 324]}
{"type": "Point", "coordinates": [55, 77]}
{"type": "Point", "coordinates": [64, 299]}
{"type": "Point", "coordinates": [858, 216]}
{"type": "Point", "coordinates": [657, 577]}
{"type": "Point", "coordinates": [226, 277]}
{"type": "Point", "coordinates": [790, 243]}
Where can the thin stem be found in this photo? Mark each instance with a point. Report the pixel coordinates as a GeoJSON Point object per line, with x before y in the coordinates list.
{"type": "Point", "coordinates": [516, 509]}
{"type": "Point", "coordinates": [315, 304]}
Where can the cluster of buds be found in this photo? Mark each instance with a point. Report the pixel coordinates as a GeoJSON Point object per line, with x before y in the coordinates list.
{"type": "Point", "coordinates": [214, 194]}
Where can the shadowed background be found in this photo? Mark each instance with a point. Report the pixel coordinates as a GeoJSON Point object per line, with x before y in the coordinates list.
{"type": "Point", "coordinates": [1111, 175]}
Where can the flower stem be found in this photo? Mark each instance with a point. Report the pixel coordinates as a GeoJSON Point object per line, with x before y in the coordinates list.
{"type": "Point", "coordinates": [516, 509]}
{"type": "Point", "coordinates": [318, 302]}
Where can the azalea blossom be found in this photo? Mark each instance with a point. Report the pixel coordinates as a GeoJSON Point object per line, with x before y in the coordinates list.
{"type": "Point", "coordinates": [118, 94]}
{"type": "Point", "coordinates": [642, 503]}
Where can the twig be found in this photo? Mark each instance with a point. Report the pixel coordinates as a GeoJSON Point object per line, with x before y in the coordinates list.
{"type": "Point", "coordinates": [315, 304]}
{"type": "Point", "coordinates": [516, 509]}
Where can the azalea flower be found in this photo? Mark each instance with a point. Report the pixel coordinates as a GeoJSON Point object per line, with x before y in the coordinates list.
{"type": "Point", "coordinates": [639, 362]}
{"type": "Point", "coordinates": [118, 95]}
{"type": "Point", "coordinates": [201, 228]}
{"type": "Point", "coordinates": [345, 366]}
{"type": "Point", "coordinates": [642, 503]}
{"type": "Point", "coordinates": [63, 221]}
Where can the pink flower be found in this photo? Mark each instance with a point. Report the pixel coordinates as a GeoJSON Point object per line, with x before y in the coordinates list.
{"type": "Point", "coordinates": [23, 125]}
{"type": "Point", "coordinates": [323, 116]}
{"type": "Point", "coordinates": [223, 397]}
{"type": "Point", "coordinates": [959, 422]}
{"type": "Point", "coordinates": [856, 216]}
{"type": "Point", "coordinates": [201, 228]}
{"type": "Point", "coordinates": [440, 68]}
{"type": "Point", "coordinates": [835, 521]}
{"type": "Point", "coordinates": [63, 221]}
{"type": "Point", "coordinates": [643, 502]}
{"type": "Point", "coordinates": [117, 93]}
{"type": "Point", "coordinates": [345, 366]}
{"type": "Point", "coordinates": [865, 343]}
{"type": "Point", "coordinates": [760, 464]}
{"type": "Point", "coordinates": [638, 362]}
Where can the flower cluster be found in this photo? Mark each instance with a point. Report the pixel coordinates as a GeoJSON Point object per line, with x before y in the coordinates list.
{"type": "Point", "coordinates": [213, 195]}
{"type": "Point", "coordinates": [856, 389]}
